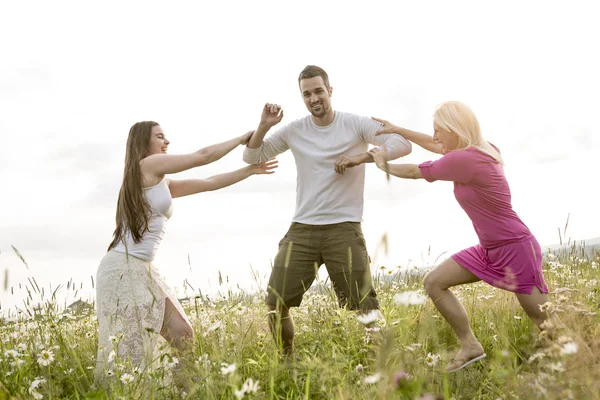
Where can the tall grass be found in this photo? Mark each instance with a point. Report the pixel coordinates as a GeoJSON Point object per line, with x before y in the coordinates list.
{"type": "Point", "coordinates": [50, 353]}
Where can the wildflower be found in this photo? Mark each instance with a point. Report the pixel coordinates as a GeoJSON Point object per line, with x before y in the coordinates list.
{"type": "Point", "coordinates": [535, 357]}
{"type": "Point", "coordinates": [228, 369]}
{"type": "Point", "coordinates": [169, 362]}
{"type": "Point", "coordinates": [216, 325]}
{"type": "Point", "coordinates": [46, 357]}
{"type": "Point", "coordinates": [11, 353]}
{"type": "Point", "coordinates": [36, 395]}
{"type": "Point", "coordinates": [373, 378]}
{"type": "Point", "coordinates": [412, 348]}
{"type": "Point", "coordinates": [547, 307]}
{"type": "Point", "coordinates": [22, 347]}
{"type": "Point", "coordinates": [556, 367]}
{"type": "Point", "coordinates": [204, 360]}
{"type": "Point", "coordinates": [111, 356]}
{"type": "Point", "coordinates": [113, 339]}
{"type": "Point", "coordinates": [36, 383]}
{"type": "Point", "coordinates": [432, 359]}
{"type": "Point", "coordinates": [555, 350]}
{"type": "Point", "coordinates": [564, 339]}
{"type": "Point", "coordinates": [17, 362]}
{"type": "Point", "coordinates": [400, 378]}
{"type": "Point", "coordinates": [546, 325]}
{"type": "Point", "coordinates": [250, 386]}
{"type": "Point", "coordinates": [517, 317]}
{"type": "Point", "coordinates": [569, 348]}
{"type": "Point", "coordinates": [240, 309]}
{"type": "Point", "coordinates": [539, 389]}
{"type": "Point", "coordinates": [127, 378]}
{"type": "Point", "coordinates": [411, 298]}
{"type": "Point", "coordinates": [567, 394]}
{"type": "Point", "coordinates": [359, 368]}
{"type": "Point", "coordinates": [239, 394]}
{"type": "Point", "coordinates": [370, 317]}
{"type": "Point", "coordinates": [110, 372]}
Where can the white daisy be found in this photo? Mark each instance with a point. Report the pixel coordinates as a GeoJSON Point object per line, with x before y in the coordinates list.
{"type": "Point", "coordinates": [228, 369]}
{"type": "Point", "coordinates": [411, 298]}
{"type": "Point", "coordinates": [46, 357]}
{"type": "Point", "coordinates": [127, 378]}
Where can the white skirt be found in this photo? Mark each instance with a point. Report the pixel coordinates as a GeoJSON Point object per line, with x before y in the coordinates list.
{"type": "Point", "coordinates": [130, 306]}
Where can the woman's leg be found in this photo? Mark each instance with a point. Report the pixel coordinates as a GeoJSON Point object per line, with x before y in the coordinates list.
{"type": "Point", "coordinates": [179, 334]}
{"type": "Point", "coordinates": [531, 304]}
{"type": "Point", "coordinates": [175, 328]}
{"type": "Point", "coordinates": [437, 283]}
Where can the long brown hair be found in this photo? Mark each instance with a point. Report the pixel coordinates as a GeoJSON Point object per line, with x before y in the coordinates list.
{"type": "Point", "coordinates": [133, 210]}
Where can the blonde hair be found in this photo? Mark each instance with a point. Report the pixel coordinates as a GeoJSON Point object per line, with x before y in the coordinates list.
{"type": "Point", "coordinates": [457, 117]}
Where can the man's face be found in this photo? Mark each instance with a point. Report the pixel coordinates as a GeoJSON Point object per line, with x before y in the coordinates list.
{"type": "Point", "coordinates": [317, 97]}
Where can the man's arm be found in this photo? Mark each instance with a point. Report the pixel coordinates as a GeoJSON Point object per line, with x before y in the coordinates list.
{"type": "Point", "coordinates": [418, 138]}
{"type": "Point", "coordinates": [259, 149]}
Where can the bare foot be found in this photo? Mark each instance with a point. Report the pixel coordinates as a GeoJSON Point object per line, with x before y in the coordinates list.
{"type": "Point", "coordinates": [466, 356]}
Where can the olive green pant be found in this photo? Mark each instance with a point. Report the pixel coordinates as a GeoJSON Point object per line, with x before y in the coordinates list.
{"type": "Point", "coordinates": [304, 248]}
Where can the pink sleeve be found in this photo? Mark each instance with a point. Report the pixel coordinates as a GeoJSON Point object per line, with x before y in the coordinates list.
{"type": "Point", "coordinates": [456, 166]}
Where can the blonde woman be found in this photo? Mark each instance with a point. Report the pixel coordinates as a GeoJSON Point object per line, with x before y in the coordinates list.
{"type": "Point", "coordinates": [133, 302]}
{"type": "Point", "coordinates": [508, 256]}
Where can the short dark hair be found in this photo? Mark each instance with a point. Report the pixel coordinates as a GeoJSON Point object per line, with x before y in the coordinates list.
{"type": "Point", "coordinates": [311, 71]}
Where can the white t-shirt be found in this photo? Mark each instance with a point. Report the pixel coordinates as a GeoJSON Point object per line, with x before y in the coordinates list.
{"type": "Point", "coordinates": [322, 196]}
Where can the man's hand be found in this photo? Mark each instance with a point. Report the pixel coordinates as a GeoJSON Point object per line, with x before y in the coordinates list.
{"type": "Point", "coordinates": [271, 115]}
{"type": "Point", "coordinates": [380, 158]}
{"type": "Point", "coordinates": [344, 162]}
{"type": "Point", "coordinates": [266, 167]}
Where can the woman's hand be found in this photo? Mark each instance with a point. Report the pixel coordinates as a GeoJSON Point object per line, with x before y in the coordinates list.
{"type": "Point", "coordinates": [380, 158]}
{"type": "Point", "coordinates": [266, 167]}
{"type": "Point", "coordinates": [387, 128]}
{"type": "Point", "coordinates": [245, 138]}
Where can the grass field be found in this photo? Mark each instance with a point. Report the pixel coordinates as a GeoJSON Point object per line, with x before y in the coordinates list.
{"type": "Point", "coordinates": [51, 354]}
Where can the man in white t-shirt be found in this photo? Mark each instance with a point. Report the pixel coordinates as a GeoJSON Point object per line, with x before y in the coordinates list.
{"type": "Point", "coordinates": [330, 150]}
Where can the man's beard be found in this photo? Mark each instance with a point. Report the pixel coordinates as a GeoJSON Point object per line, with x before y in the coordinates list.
{"type": "Point", "coordinates": [320, 113]}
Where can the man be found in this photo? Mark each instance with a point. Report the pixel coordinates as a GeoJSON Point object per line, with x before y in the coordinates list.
{"type": "Point", "coordinates": [330, 149]}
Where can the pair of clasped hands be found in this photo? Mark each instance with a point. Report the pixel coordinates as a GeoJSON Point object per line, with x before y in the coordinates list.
{"type": "Point", "coordinates": [273, 114]}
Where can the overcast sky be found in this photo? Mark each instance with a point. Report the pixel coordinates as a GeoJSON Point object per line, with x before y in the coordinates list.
{"type": "Point", "coordinates": [75, 76]}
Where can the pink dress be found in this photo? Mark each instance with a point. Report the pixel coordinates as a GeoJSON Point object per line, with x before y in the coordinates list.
{"type": "Point", "coordinates": [508, 256]}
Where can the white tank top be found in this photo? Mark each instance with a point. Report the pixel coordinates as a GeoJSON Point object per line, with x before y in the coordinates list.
{"type": "Point", "coordinates": [161, 203]}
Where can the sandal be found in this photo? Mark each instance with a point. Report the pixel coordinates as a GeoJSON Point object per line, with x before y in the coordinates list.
{"type": "Point", "coordinates": [466, 363]}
